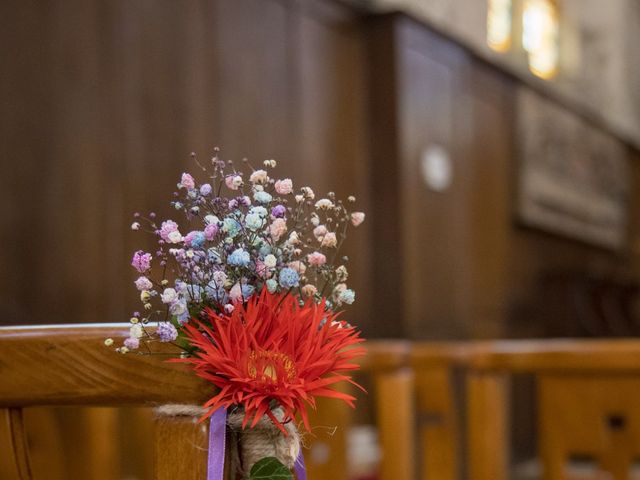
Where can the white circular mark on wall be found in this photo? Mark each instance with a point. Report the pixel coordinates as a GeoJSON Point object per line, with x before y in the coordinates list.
{"type": "Point", "coordinates": [436, 167]}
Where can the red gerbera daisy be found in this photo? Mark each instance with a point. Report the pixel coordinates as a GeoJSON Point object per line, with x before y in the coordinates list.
{"type": "Point", "coordinates": [273, 350]}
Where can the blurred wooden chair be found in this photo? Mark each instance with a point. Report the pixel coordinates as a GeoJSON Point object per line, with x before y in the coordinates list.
{"type": "Point", "coordinates": [387, 371]}
{"type": "Point", "coordinates": [69, 365]}
{"type": "Point", "coordinates": [438, 411]}
{"type": "Point", "coordinates": [588, 412]}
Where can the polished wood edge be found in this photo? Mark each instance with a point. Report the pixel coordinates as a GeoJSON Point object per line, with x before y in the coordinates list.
{"type": "Point", "coordinates": [70, 365]}
{"type": "Point", "coordinates": [556, 355]}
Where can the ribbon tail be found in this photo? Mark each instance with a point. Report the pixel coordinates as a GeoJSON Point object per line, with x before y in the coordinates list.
{"type": "Point", "coordinates": [299, 467]}
{"type": "Point", "coordinates": [217, 440]}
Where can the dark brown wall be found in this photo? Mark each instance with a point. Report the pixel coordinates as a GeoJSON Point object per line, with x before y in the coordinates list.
{"type": "Point", "coordinates": [460, 264]}
{"type": "Point", "coordinates": [103, 102]}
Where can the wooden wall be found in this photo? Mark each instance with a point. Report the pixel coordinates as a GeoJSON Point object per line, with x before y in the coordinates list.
{"type": "Point", "coordinates": [461, 265]}
{"type": "Point", "coordinates": [104, 101]}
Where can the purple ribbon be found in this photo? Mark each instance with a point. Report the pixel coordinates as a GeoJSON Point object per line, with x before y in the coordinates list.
{"type": "Point", "coordinates": [300, 469]}
{"type": "Point", "coordinates": [217, 438]}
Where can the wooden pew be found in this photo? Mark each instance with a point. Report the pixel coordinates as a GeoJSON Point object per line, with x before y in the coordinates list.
{"type": "Point", "coordinates": [69, 365]}
{"type": "Point", "coordinates": [587, 393]}
{"type": "Point", "coordinates": [587, 406]}
{"type": "Point", "coordinates": [387, 369]}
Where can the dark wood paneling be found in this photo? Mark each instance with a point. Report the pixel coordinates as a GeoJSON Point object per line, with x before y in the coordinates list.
{"type": "Point", "coordinates": [459, 264]}
{"type": "Point", "coordinates": [439, 247]}
{"type": "Point", "coordinates": [104, 101]}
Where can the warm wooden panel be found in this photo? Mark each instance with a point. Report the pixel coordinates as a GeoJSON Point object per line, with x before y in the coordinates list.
{"type": "Point", "coordinates": [180, 448]}
{"type": "Point", "coordinates": [395, 418]}
{"type": "Point", "coordinates": [104, 102]}
{"type": "Point", "coordinates": [71, 366]}
{"type": "Point", "coordinates": [445, 249]}
{"type": "Point", "coordinates": [14, 463]}
{"type": "Point", "coordinates": [488, 425]}
{"type": "Point", "coordinates": [437, 413]}
{"type": "Point", "coordinates": [558, 355]}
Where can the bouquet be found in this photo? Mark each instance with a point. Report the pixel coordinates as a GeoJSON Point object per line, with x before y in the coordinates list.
{"type": "Point", "coordinates": [249, 289]}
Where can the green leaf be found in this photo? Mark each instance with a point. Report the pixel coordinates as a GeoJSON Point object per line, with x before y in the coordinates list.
{"type": "Point", "coordinates": [270, 468]}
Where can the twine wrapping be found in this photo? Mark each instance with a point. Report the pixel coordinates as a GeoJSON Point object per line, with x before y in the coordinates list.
{"type": "Point", "coordinates": [266, 440]}
{"type": "Point", "coordinates": [254, 444]}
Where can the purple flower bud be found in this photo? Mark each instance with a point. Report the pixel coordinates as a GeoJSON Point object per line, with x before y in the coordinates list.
{"type": "Point", "coordinates": [278, 211]}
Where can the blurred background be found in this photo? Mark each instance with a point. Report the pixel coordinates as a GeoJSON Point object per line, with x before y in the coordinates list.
{"type": "Point", "coordinates": [494, 144]}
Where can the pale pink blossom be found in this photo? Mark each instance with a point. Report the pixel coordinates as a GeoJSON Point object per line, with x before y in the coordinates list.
{"type": "Point", "coordinates": [235, 293]}
{"type": "Point", "coordinates": [329, 240]}
{"type": "Point", "coordinates": [187, 182]}
{"type": "Point", "coordinates": [278, 228]}
{"type": "Point", "coordinates": [233, 182]}
{"type": "Point", "coordinates": [262, 270]}
{"type": "Point", "coordinates": [319, 232]}
{"type": "Point", "coordinates": [309, 290]}
{"type": "Point", "coordinates": [357, 218]}
{"type": "Point", "coordinates": [316, 259]}
{"type": "Point", "coordinates": [143, 283]}
{"type": "Point", "coordinates": [284, 187]}
{"type": "Point", "coordinates": [210, 231]}
{"type": "Point", "coordinates": [259, 176]}
{"type": "Point", "coordinates": [298, 266]}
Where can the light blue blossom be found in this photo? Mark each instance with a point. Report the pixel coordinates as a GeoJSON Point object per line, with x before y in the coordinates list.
{"type": "Point", "coordinates": [265, 249]}
{"type": "Point", "coordinates": [254, 221]}
{"type": "Point", "coordinates": [247, 290]}
{"type": "Point", "coordinates": [193, 292]}
{"type": "Point", "coordinates": [239, 258]}
{"type": "Point", "coordinates": [231, 226]}
{"type": "Point", "coordinates": [180, 310]}
{"type": "Point", "coordinates": [347, 296]}
{"type": "Point", "coordinates": [213, 255]}
{"type": "Point", "coordinates": [289, 278]}
{"type": "Point", "coordinates": [262, 197]}
{"type": "Point", "coordinates": [195, 239]}
{"type": "Point", "coordinates": [216, 292]}
{"type": "Point", "coordinates": [272, 285]}
{"type": "Point", "coordinates": [259, 210]}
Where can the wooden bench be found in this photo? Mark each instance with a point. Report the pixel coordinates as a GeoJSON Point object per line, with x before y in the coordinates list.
{"type": "Point", "coordinates": [587, 401]}
{"type": "Point", "coordinates": [69, 365]}
{"type": "Point", "coordinates": [387, 370]}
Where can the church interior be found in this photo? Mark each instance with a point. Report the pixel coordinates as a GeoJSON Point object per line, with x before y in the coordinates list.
{"type": "Point", "coordinates": [493, 144]}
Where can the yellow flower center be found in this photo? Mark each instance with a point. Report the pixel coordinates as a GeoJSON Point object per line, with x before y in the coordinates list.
{"type": "Point", "coordinates": [270, 366]}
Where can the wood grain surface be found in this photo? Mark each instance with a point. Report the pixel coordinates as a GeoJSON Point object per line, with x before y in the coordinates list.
{"type": "Point", "coordinates": [70, 365]}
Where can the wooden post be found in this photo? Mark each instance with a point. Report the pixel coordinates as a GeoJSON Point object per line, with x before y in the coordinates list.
{"type": "Point", "coordinates": [396, 421]}
{"type": "Point", "coordinates": [181, 446]}
{"type": "Point", "coordinates": [14, 460]}
{"type": "Point", "coordinates": [438, 423]}
{"type": "Point", "coordinates": [488, 425]}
